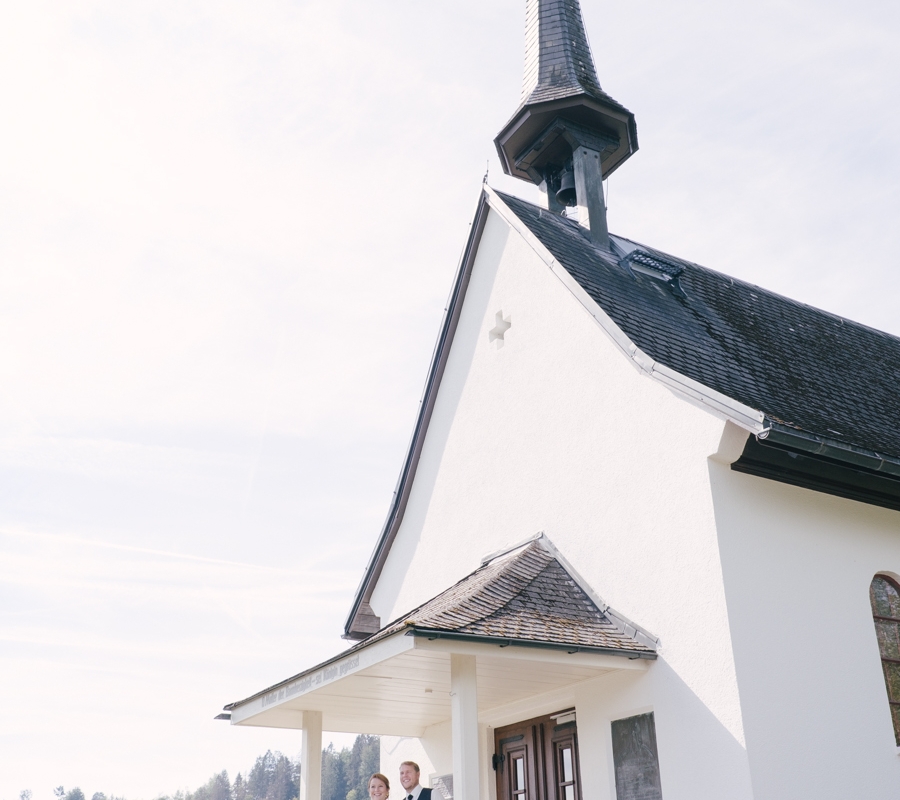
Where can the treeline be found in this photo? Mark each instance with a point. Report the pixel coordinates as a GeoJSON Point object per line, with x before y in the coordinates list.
{"type": "Point", "coordinates": [275, 776]}
{"type": "Point", "coordinates": [73, 794]}
{"type": "Point", "coordinates": [345, 774]}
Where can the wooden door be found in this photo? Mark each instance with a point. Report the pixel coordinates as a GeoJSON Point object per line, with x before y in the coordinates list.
{"type": "Point", "coordinates": [516, 761]}
{"type": "Point", "coordinates": [561, 747]}
{"type": "Point", "coordinates": [537, 760]}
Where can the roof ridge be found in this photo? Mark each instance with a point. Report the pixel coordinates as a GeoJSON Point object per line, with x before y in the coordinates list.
{"type": "Point", "coordinates": [502, 570]}
{"type": "Point", "coordinates": [710, 271]}
{"type": "Point", "coordinates": [551, 563]}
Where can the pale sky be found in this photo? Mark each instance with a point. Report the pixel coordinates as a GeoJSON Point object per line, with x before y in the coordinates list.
{"type": "Point", "coordinates": [227, 232]}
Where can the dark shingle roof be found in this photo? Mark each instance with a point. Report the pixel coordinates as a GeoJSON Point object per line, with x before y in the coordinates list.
{"type": "Point", "coordinates": [527, 597]}
{"type": "Point", "coordinates": [802, 367]}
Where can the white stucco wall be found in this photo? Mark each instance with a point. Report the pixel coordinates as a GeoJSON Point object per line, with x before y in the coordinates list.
{"type": "Point", "coordinates": [717, 766]}
{"type": "Point", "coordinates": [556, 431]}
{"type": "Point", "coordinates": [433, 753]}
{"type": "Point", "coordinates": [797, 567]}
{"type": "Point", "coordinates": [397, 749]}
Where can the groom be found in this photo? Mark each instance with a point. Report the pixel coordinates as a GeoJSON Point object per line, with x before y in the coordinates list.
{"type": "Point", "coordinates": [409, 780]}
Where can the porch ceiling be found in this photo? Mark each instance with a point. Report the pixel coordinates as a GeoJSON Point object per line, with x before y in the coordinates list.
{"type": "Point", "coordinates": [401, 685]}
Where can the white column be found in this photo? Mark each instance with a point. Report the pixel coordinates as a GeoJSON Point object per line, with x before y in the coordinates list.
{"type": "Point", "coordinates": [311, 757]}
{"type": "Point", "coordinates": [589, 193]}
{"type": "Point", "coordinates": [464, 722]}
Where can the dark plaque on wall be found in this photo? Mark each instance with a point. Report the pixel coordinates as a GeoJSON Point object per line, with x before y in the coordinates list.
{"type": "Point", "coordinates": [635, 758]}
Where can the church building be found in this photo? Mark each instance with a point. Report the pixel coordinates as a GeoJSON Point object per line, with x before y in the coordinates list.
{"type": "Point", "coordinates": [646, 540]}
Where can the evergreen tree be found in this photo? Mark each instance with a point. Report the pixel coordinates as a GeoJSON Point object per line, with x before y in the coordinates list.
{"type": "Point", "coordinates": [260, 776]}
{"type": "Point", "coordinates": [218, 787]}
{"type": "Point", "coordinates": [285, 780]}
{"type": "Point", "coordinates": [334, 780]}
{"type": "Point", "coordinates": [239, 790]}
{"type": "Point", "coordinates": [345, 774]}
{"type": "Point", "coordinates": [369, 762]}
{"type": "Point", "coordinates": [273, 777]}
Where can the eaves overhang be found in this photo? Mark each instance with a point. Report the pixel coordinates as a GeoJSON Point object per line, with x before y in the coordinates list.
{"type": "Point", "coordinates": [400, 685]}
{"type": "Point", "coordinates": [798, 440]}
{"type": "Point", "coordinates": [607, 118]}
{"type": "Point", "coordinates": [799, 458]}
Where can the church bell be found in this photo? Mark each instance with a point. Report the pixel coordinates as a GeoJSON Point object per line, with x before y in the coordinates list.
{"type": "Point", "coordinates": [566, 193]}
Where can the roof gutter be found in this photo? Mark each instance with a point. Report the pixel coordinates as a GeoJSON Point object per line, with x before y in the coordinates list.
{"type": "Point", "coordinates": [427, 633]}
{"type": "Point", "coordinates": [781, 435]}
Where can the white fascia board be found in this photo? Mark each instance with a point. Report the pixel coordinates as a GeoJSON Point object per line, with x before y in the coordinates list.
{"type": "Point", "coordinates": [537, 654]}
{"type": "Point", "coordinates": [327, 673]}
{"type": "Point", "coordinates": [275, 718]}
{"type": "Point", "coordinates": [722, 406]}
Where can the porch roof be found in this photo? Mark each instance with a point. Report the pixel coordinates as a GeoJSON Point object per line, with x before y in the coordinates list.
{"type": "Point", "coordinates": [533, 625]}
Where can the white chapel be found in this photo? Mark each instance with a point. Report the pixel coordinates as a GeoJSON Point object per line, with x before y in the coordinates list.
{"type": "Point", "coordinates": [645, 543]}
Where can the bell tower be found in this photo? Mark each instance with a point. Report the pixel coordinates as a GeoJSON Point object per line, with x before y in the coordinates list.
{"type": "Point", "coordinates": [567, 134]}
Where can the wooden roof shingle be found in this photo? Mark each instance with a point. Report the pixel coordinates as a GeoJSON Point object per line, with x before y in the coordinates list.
{"type": "Point", "coordinates": [527, 597]}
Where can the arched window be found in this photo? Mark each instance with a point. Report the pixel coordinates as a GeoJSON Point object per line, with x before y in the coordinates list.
{"type": "Point", "coordinates": [885, 597]}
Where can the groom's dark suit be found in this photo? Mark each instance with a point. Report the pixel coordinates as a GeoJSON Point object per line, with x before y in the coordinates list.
{"type": "Point", "coordinates": [425, 794]}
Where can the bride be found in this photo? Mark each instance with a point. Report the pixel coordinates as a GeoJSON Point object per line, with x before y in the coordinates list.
{"type": "Point", "coordinates": [379, 787]}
